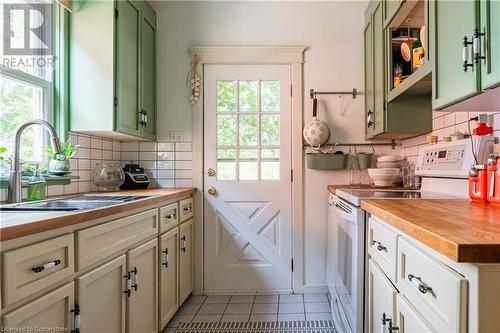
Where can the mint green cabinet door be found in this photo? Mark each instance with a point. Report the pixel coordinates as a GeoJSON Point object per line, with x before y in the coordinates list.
{"type": "Point", "coordinates": [490, 25]}
{"type": "Point", "coordinates": [391, 7]}
{"type": "Point", "coordinates": [368, 39]}
{"type": "Point", "coordinates": [148, 75]}
{"type": "Point", "coordinates": [453, 21]}
{"type": "Point", "coordinates": [378, 70]}
{"type": "Point", "coordinates": [127, 67]}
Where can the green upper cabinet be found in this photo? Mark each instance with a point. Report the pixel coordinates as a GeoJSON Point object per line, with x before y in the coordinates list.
{"type": "Point", "coordinates": [490, 26]}
{"type": "Point", "coordinates": [113, 69]}
{"type": "Point", "coordinates": [407, 115]}
{"type": "Point", "coordinates": [391, 7]}
{"type": "Point", "coordinates": [454, 20]}
{"type": "Point", "coordinates": [148, 73]}
{"type": "Point", "coordinates": [127, 82]}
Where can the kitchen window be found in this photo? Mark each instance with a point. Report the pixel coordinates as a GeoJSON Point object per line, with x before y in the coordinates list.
{"type": "Point", "coordinates": [33, 73]}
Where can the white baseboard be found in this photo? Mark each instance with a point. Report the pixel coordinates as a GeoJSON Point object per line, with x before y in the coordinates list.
{"type": "Point", "coordinates": [311, 290]}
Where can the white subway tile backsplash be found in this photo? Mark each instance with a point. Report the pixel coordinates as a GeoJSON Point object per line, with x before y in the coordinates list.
{"type": "Point", "coordinates": [184, 174]}
{"type": "Point", "coordinates": [130, 156]}
{"type": "Point", "coordinates": [107, 144]}
{"type": "Point", "coordinates": [83, 153]}
{"type": "Point", "coordinates": [71, 188]}
{"type": "Point", "coordinates": [107, 155]}
{"type": "Point", "coordinates": [147, 156]}
{"type": "Point", "coordinates": [95, 143]}
{"type": "Point", "coordinates": [96, 154]}
{"type": "Point", "coordinates": [166, 183]}
{"type": "Point", "coordinates": [165, 164]}
{"type": "Point", "coordinates": [183, 183]}
{"type": "Point", "coordinates": [130, 146]}
{"type": "Point", "coordinates": [183, 146]}
{"type": "Point", "coordinates": [183, 156]}
{"type": "Point", "coordinates": [166, 173]}
{"type": "Point", "coordinates": [166, 146]}
{"type": "Point", "coordinates": [184, 165]}
{"type": "Point", "coordinates": [117, 156]}
{"type": "Point", "coordinates": [166, 156]}
{"type": "Point", "coordinates": [449, 119]}
{"type": "Point", "coordinates": [55, 190]}
{"type": "Point", "coordinates": [147, 146]}
{"type": "Point", "coordinates": [84, 141]}
{"type": "Point", "coordinates": [84, 164]}
{"type": "Point", "coordinates": [148, 164]}
{"type": "Point", "coordinates": [117, 145]}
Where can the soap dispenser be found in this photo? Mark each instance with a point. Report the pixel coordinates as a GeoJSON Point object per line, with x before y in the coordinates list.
{"type": "Point", "coordinates": [36, 189]}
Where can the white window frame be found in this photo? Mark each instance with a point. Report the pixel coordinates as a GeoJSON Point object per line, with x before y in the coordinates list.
{"type": "Point", "coordinates": [241, 55]}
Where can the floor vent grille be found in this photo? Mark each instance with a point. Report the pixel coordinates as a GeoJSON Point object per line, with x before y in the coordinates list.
{"type": "Point", "coordinates": [310, 326]}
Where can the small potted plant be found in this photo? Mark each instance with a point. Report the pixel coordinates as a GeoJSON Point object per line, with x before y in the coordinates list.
{"type": "Point", "coordinates": [4, 162]}
{"type": "Point", "coordinates": [59, 163]}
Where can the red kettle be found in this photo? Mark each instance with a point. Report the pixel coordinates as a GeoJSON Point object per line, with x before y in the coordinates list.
{"type": "Point", "coordinates": [478, 183]}
{"type": "Point", "coordinates": [493, 179]}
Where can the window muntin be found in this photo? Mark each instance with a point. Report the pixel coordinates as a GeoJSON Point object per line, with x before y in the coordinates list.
{"type": "Point", "coordinates": [248, 130]}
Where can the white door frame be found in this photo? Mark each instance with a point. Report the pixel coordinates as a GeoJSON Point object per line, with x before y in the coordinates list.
{"type": "Point", "coordinates": [242, 55]}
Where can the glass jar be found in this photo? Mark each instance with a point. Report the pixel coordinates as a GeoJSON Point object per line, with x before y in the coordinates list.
{"type": "Point", "coordinates": [108, 176]}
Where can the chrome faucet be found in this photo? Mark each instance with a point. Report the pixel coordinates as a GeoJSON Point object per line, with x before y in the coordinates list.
{"type": "Point", "coordinates": [15, 182]}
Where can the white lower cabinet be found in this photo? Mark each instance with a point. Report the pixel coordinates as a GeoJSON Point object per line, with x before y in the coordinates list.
{"type": "Point", "coordinates": [123, 282]}
{"type": "Point", "coordinates": [381, 300]}
{"type": "Point", "coordinates": [101, 297]}
{"type": "Point", "coordinates": [409, 320]}
{"type": "Point", "coordinates": [185, 260]}
{"type": "Point", "coordinates": [169, 279]}
{"type": "Point", "coordinates": [49, 313]}
{"type": "Point", "coordinates": [142, 312]}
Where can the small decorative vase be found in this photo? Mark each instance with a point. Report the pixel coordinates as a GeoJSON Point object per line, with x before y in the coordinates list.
{"type": "Point", "coordinates": [59, 168]}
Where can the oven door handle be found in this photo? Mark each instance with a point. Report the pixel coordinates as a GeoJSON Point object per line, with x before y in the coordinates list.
{"type": "Point", "coordinates": [342, 213]}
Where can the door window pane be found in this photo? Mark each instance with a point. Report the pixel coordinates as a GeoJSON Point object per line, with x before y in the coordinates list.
{"type": "Point", "coordinates": [270, 153]}
{"type": "Point", "coordinates": [248, 139]}
{"type": "Point", "coordinates": [21, 102]}
{"type": "Point", "coordinates": [226, 96]}
{"type": "Point", "coordinates": [270, 170]}
{"type": "Point", "coordinates": [270, 130]}
{"type": "Point", "coordinates": [270, 96]}
{"type": "Point", "coordinates": [226, 154]}
{"type": "Point", "coordinates": [226, 170]}
{"type": "Point", "coordinates": [252, 154]}
{"type": "Point", "coordinates": [249, 131]}
{"type": "Point", "coordinates": [226, 130]}
{"type": "Point", "coordinates": [248, 96]}
{"type": "Point", "coordinates": [249, 170]}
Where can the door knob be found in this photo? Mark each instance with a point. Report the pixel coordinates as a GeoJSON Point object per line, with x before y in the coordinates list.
{"type": "Point", "coordinates": [211, 172]}
{"type": "Point", "coordinates": [212, 191]}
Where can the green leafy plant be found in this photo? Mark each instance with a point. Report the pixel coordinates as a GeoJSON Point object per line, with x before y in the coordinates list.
{"type": "Point", "coordinates": [2, 151]}
{"type": "Point", "coordinates": [67, 151]}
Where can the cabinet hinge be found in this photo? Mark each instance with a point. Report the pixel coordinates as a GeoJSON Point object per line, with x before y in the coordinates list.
{"type": "Point", "coordinates": [292, 265]}
{"type": "Point", "coordinates": [115, 101]}
{"type": "Point", "coordinates": [76, 320]}
{"type": "Point", "coordinates": [116, 13]}
{"type": "Point", "coordinates": [291, 175]}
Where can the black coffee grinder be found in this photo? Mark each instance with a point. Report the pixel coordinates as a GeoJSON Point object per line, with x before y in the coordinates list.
{"type": "Point", "coordinates": [135, 178]}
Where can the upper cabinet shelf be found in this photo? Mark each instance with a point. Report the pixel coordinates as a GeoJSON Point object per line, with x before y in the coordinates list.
{"type": "Point", "coordinates": [407, 47]}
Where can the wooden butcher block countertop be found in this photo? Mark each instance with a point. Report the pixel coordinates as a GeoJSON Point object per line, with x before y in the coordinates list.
{"type": "Point", "coordinates": [19, 224]}
{"type": "Point", "coordinates": [458, 228]}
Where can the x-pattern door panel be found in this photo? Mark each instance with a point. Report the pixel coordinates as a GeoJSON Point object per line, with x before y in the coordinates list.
{"type": "Point", "coordinates": [247, 145]}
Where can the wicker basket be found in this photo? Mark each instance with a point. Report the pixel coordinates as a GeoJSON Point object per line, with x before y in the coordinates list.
{"type": "Point", "coordinates": [320, 161]}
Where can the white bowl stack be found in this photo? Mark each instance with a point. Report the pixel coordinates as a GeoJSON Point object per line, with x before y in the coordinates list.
{"type": "Point", "coordinates": [388, 171]}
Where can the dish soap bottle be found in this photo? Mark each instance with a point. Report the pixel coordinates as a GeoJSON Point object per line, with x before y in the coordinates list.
{"type": "Point", "coordinates": [36, 189]}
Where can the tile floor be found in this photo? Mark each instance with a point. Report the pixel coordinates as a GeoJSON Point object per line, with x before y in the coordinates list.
{"type": "Point", "coordinates": [236, 308]}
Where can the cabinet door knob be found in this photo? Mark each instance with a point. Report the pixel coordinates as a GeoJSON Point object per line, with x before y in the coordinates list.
{"type": "Point", "coordinates": [212, 191]}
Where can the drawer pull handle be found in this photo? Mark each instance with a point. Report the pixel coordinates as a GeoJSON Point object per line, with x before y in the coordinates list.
{"type": "Point", "coordinates": [170, 217]}
{"type": "Point", "coordinates": [49, 264]}
{"type": "Point", "coordinates": [184, 243]}
{"type": "Point", "coordinates": [388, 321]}
{"type": "Point", "coordinates": [135, 278]}
{"type": "Point", "coordinates": [380, 247]}
{"type": "Point", "coordinates": [422, 287]}
{"type": "Point", "coordinates": [166, 257]}
{"type": "Point", "coordinates": [187, 209]}
{"type": "Point", "coordinates": [128, 291]}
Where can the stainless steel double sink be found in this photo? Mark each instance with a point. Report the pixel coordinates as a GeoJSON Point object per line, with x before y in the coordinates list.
{"type": "Point", "coordinates": [81, 202]}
